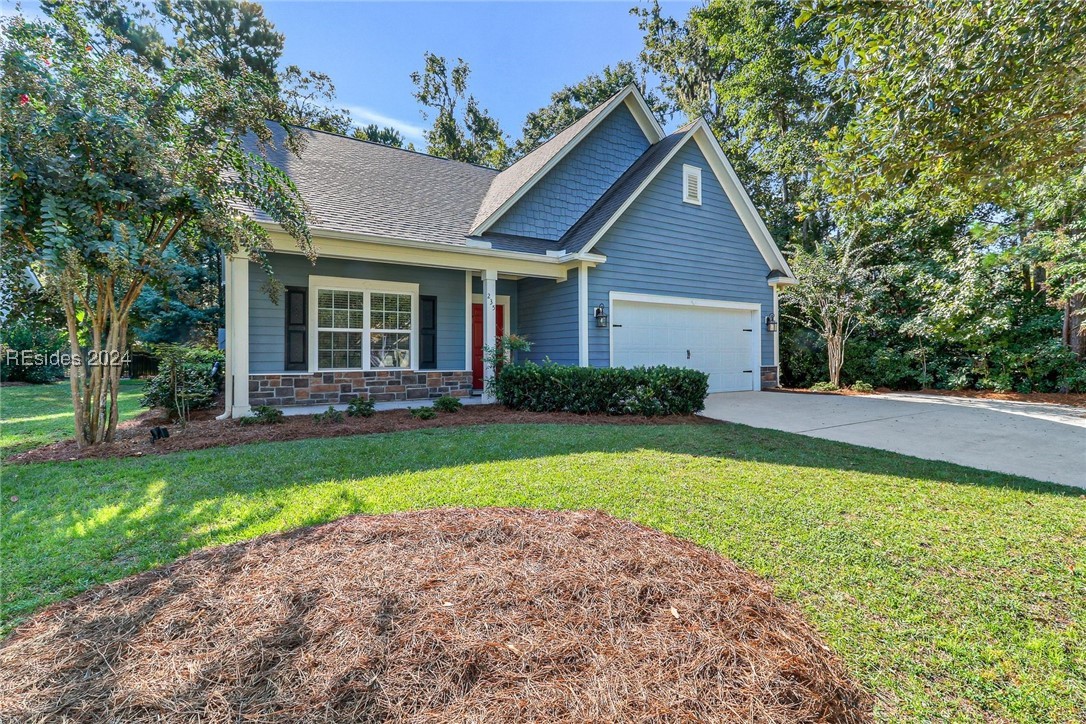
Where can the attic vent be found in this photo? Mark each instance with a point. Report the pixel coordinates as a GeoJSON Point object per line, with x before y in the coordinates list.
{"type": "Point", "coordinates": [691, 184]}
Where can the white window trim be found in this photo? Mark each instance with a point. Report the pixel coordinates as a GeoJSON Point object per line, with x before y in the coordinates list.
{"type": "Point", "coordinates": [689, 171]}
{"type": "Point", "coordinates": [368, 287]}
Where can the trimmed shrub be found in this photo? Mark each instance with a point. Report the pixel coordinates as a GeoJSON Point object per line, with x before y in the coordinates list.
{"type": "Point", "coordinates": [645, 391]}
{"type": "Point", "coordinates": [824, 387]}
{"type": "Point", "coordinates": [188, 379]}
{"type": "Point", "coordinates": [447, 403]}
{"type": "Point", "coordinates": [263, 415]}
{"type": "Point", "coordinates": [329, 416]}
{"type": "Point", "coordinates": [423, 413]}
{"type": "Point", "coordinates": [361, 407]}
{"type": "Point", "coordinates": [861, 386]}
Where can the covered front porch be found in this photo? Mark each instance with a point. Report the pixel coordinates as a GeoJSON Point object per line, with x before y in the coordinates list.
{"type": "Point", "coordinates": [393, 324]}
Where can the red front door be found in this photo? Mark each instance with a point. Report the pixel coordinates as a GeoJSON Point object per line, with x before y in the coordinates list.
{"type": "Point", "coordinates": [477, 340]}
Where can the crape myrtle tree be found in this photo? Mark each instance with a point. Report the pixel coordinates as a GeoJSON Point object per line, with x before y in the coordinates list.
{"type": "Point", "coordinates": [115, 158]}
{"type": "Point", "coordinates": [837, 291]}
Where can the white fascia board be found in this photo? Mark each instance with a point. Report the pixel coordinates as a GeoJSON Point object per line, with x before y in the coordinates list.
{"type": "Point", "coordinates": [464, 257]}
{"type": "Point", "coordinates": [644, 116]}
{"type": "Point", "coordinates": [739, 197]}
{"type": "Point", "coordinates": [733, 188]}
{"type": "Point", "coordinates": [645, 120]}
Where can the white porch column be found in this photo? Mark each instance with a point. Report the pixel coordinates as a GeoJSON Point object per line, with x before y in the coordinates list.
{"type": "Point", "coordinates": [237, 336]}
{"type": "Point", "coordinates": [582, 315]}
{"type": "Point", "coordinates": [490, 324]}
{"type": "Point", "coordinates": [468, 320]}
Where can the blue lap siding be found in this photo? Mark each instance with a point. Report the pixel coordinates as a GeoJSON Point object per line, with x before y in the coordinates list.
{"type": "Point", "coordinates": [267, 320]}
{"type": "Point", "coordinates": [573, 185]}
{"type": "Point", "coordinates": [662, 245]}
{"type": "Point", "coordinates": [547, 317]}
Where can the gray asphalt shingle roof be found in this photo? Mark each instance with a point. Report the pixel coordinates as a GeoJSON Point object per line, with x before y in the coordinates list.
{"type": "Point", "coordinates": [366, 188]}
{"type": "Point", "coordinates": [359, 187]}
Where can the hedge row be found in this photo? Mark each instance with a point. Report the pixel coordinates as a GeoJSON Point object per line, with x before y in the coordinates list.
{"type": "Point", "coordinates": [645, 391]}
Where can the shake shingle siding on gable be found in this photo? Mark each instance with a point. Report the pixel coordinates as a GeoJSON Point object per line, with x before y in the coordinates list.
{"type": "Point", "coordinates": [548, 319]}
{"type": "Point", "coordinates": [562, 197]}
{"type": "Point", "coordinates": [663, 246]}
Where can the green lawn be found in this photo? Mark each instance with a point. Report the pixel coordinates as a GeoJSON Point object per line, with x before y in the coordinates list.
{"type": "Point", "coordinates": [36, 415]}
{"type": "Point", "coordinates": [951, 593]}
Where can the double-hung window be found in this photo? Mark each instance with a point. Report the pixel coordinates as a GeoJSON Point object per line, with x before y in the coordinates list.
{"type": "Point", "coordinates": [364, 325]}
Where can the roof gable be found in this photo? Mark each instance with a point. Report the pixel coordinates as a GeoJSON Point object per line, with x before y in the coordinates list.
{"type": "Point", "coordinates": [513, 183]}
{"type": "Point", "coordinates": [571, 187]}
{"type": "Point", "coordinates": [584, 235]}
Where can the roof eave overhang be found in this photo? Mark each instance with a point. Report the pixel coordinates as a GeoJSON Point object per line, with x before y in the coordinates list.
{"type": "Point", "coordinates": [450, 256]}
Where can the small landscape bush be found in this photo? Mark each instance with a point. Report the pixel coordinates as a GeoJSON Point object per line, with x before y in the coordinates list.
{"type": "Point", "coordinates": [447, 403]}
{"type": "Point", "coordinates": [361, 407]}
{"type": "Point", "coordinates": [824, 387]}
{"type": "Point", "coordinates": [263, 415]}
{"type": "Point", "coordinates": [329, 416]}
{"type": "Point", "coordinates": [861, 386]}
{"type": "Point", "coordinates": [423, 413]}
{"type": "Point", "coordinates": [647, 391]}
{"type": "Point", "coordinates": [188, 379]}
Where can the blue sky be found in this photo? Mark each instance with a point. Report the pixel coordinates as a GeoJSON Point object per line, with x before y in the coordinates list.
{"type": "Point", "coordinates": [519, 52]}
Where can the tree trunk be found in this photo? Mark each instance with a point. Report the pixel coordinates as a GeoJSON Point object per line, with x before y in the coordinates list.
{"type": "Point", "coordinates": [95, 378]}
{"type": "Point", "coordinates": [1072, 324]}
{"type": "Point", "coordinates": [835, 357]}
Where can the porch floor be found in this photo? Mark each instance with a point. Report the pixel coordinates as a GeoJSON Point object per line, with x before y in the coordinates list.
{"type": "Point", "coordinates": [291, 410]}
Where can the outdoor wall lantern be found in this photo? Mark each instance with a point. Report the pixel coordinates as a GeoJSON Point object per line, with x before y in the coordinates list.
{"type": "Point", "coordinates": [601, 316]}
{"type": "Point", "coordinates": [771, 323]}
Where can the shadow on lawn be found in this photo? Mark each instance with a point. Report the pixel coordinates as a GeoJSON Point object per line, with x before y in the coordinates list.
{"type": "Point", "coordinates": [96, 520]}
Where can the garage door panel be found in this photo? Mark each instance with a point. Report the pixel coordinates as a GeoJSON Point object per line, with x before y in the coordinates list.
{"type": "Point", "coordinates": [715, 340]}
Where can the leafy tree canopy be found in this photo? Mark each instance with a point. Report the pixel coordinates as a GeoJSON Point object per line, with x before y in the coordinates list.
{"type": "Point", "coordinates": [116, 164]}
{"type": "Point", "coordinates": [387, 135]}
{"type": "Point", "coordinates": [570, 103]}
{"type": "Point", "coordinates": [742, 65]}
{"type": "Point", "coordinates": [462, 129]}
{"type": "Point", "coordinates": [982, 99]}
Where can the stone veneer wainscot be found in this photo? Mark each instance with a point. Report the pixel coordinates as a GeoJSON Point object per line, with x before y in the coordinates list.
{"type": "Point", "coordinates": [333, 388]}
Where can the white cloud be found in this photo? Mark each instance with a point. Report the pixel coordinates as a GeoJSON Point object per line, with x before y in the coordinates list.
{"type": "Point", "coordinates": [363, 116]}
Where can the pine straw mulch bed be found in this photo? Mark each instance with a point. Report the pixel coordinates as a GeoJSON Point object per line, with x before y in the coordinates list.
{"type": "Point", "coordinates": [1073, 399]}
{"type": "Point", "coordinates": [133, 438]}
{"type": "Point", "coordinates": [439, 615]}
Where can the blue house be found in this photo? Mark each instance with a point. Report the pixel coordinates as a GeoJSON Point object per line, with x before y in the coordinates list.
{"type": "Point", "coordinates": [614, 243]}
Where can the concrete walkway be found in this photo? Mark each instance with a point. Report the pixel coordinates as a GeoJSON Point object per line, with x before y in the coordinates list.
{"type": "Point", "coordinates": [1036, 440]}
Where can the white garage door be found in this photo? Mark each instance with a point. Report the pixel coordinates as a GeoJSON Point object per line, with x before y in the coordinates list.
{"type": "Point", "coordinates": [719, 341]}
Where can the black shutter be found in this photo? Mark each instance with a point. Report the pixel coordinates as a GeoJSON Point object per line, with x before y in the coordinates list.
{"type": "Point", "coordinates": [427, 333]}
{"type": "Point", "coordinates": [296, 357]}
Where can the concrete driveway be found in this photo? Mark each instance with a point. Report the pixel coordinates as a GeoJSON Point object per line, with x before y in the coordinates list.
{"type": "Point", "coordinates": [1039, 441]}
